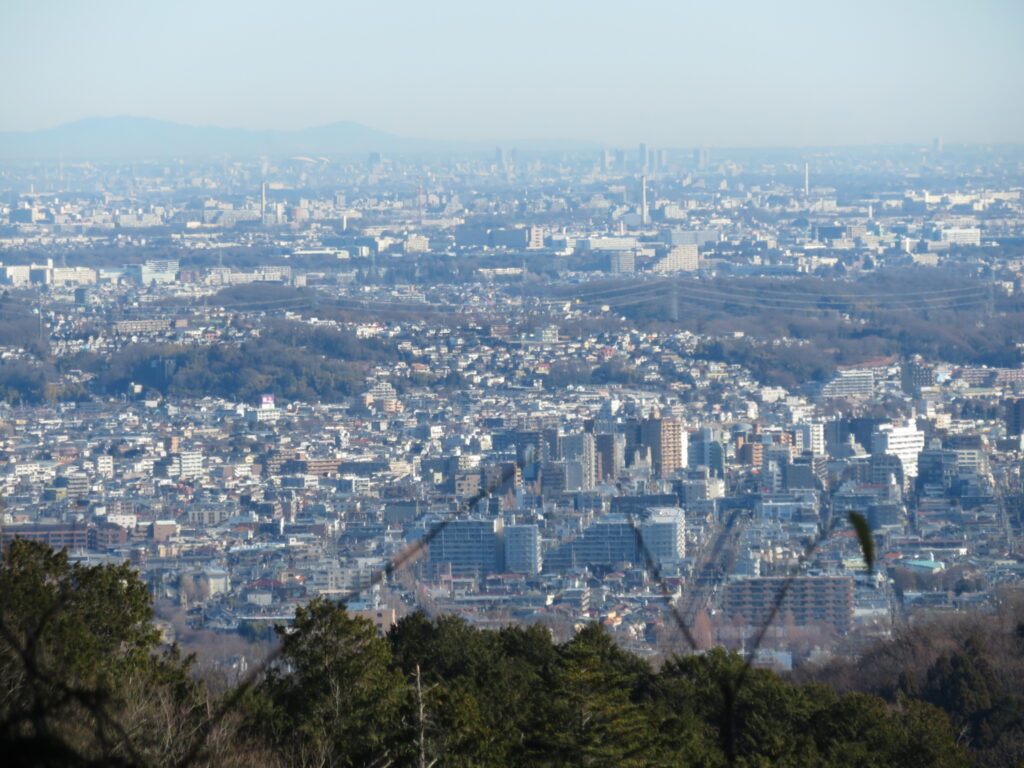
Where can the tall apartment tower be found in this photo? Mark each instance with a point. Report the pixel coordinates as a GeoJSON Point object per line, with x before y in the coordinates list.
{"type": "Point", "coordinates": [915, 374]}
{"type": "Point", "coordinates": [622, 262]}
{"type": "Point", "coordinates": [905, 441]}
{"type": "Point", "coordinates": [1015, 416]}
{"type": "Point", "coordinates": [611, 452]}
{"type": "Point", "coordinates": [663, 534]}
{"type": "Point", "coordinates": [523, 549]}
{"type": "Point", "coordinates": [645, 216]}
{"type": "Point", "coordinates": [811, 437]}
{"type": "Point", "coordinates": [667, 441]}
{"type": "Point", "coordinates": [581, 447]}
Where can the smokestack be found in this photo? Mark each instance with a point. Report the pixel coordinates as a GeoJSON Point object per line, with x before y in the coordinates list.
{"type": "Point", "coordinates": [807, 179]}
{"type": "Point", "coordinates": [644, 218]}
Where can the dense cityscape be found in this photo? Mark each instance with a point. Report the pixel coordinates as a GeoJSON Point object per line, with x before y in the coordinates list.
{"type": "Point", "coordinates": [605, 385]}
{"type": "Point", "coordinates": [530, 385]}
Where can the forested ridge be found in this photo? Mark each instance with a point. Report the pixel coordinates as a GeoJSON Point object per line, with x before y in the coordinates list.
{"type": "Point", "coordinates": [940, 315]}
{"type": "Point", "coordinates": [785, 331]}
{"type": "Point", "coordinates": [86, 681]}
{"type": "Point", "coordinates": [294, 360]}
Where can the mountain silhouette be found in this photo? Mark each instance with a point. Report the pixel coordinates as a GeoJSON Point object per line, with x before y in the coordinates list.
{"type": "Point", "coordinates": [125, 137]}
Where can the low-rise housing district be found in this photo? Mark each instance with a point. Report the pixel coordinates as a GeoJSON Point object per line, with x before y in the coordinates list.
{"type": "Point", "coordinates": [661, 477]}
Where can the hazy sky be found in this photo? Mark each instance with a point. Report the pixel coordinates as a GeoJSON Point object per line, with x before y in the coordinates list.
{"type": "Point", "coordinates": [669, 72]}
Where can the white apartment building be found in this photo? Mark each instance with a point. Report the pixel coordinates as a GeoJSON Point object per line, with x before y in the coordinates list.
{"type": "Point", "coordinates": [681, 258]}
{"type": "Point", "coordinates": [904, 441]}
{"type": "Point", "coordinates": [664, 534]}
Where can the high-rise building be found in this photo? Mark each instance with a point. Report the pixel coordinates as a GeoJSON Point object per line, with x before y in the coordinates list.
{"type": "Point", "coordinates": [850, 382]}
{"type": "Point", "coordinates": [187, 464]}
{"type": "Point", "coordinates": [555, 478]}
{"type": "Point", "coordinates": [522, 549]}
{"type": "Point", "coordinates": [471, 545]}
{"type": "Point", "coordinates": [698, 237]}
{"type": "Point", "coordinates": [611, 450]}
{"type": "Point", "coordinates": [811, 437]}
{"type": "Point", "coordinates": [622, 262]}
{"type": "Point", "coordinates": [607, 541]}
{"type": "Point", "coordinates": [613, 539]}
{"type": "Point", "coordinates": [531, 451]}
{"type": "Point", "coordinates": [664, 534]}
{"type": "Point", "coordinates": [806, 471]}
{"type": "Point", "coordinates": [1015, 416]}
{"type": "Point", "coordinates": [915, 374]}
{"type": "Point", "coordinates": [905, 441]}
{"type": "Point", "coordinates": [645, 217]}
{"type": "Point", "coordinates": [581, 447]}
{"type": "Point", "coordinates": [825, 600]}
{"type": "Point", "coordinates": [699, 485]}
{"type": "Point", "coordinates": [659, 160]}
{"type": "Point", "coordinates": [938, 468]}
{"type": "Point", "coordinates": [680, 258]}
{"type": "Point", "coordinates": [416, 244]}
{"type": "Point", "coordinates": [153, 271]}
{"type": "Point", "coordinates": [668, 443]}
{"type": "Point", "coordinates": [961, 236]}
{"type": "Point", "coordinates": [774, 460]}
{"type": "Point", "coordinates": [706, 450]}
{"type": "Point", "coordinates": [502, 478]}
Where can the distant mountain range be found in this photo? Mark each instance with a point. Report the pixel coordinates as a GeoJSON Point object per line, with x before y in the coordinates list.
{"type": "Point", "coordinates": [102, 138]}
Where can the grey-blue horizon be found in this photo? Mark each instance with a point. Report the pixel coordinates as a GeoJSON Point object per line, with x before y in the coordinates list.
{"type": "Point", "coordinates": [671, 74]}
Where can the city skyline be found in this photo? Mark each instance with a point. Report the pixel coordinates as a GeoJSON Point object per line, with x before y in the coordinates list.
{"type": "Point", "coordinates": [127, 137]}
{"type": "Point", "coordinates": [388, 384]}
{"type": "Point", "coordinates": [762, 403]}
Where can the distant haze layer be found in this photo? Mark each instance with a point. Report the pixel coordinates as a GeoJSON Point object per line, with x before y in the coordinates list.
{"type": "Point", "coordinates": [136, 137]}
{"type": "Point", "coordinates": [690, 73]}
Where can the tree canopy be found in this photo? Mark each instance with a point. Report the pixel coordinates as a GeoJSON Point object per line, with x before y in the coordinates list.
{"type": "Point", "coordinates": [87, 681]}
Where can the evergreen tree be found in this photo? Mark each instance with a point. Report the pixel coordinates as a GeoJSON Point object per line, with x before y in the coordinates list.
{"type": "Point", "coordinates": [333, 697]}
{"type": "Point", "coordinates": [589, 718]}
{"type": "Point", "coordinates": [81, 671]}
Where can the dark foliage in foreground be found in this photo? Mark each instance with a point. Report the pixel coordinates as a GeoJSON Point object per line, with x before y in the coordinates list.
{"type": "Point", "coordinates": [85, 682]}
{"type": "Point", "coordinates": [971, 666]}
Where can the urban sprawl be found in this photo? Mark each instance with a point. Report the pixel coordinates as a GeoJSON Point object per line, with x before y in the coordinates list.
{"type": "Point", "coordinates": [602, 384]}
